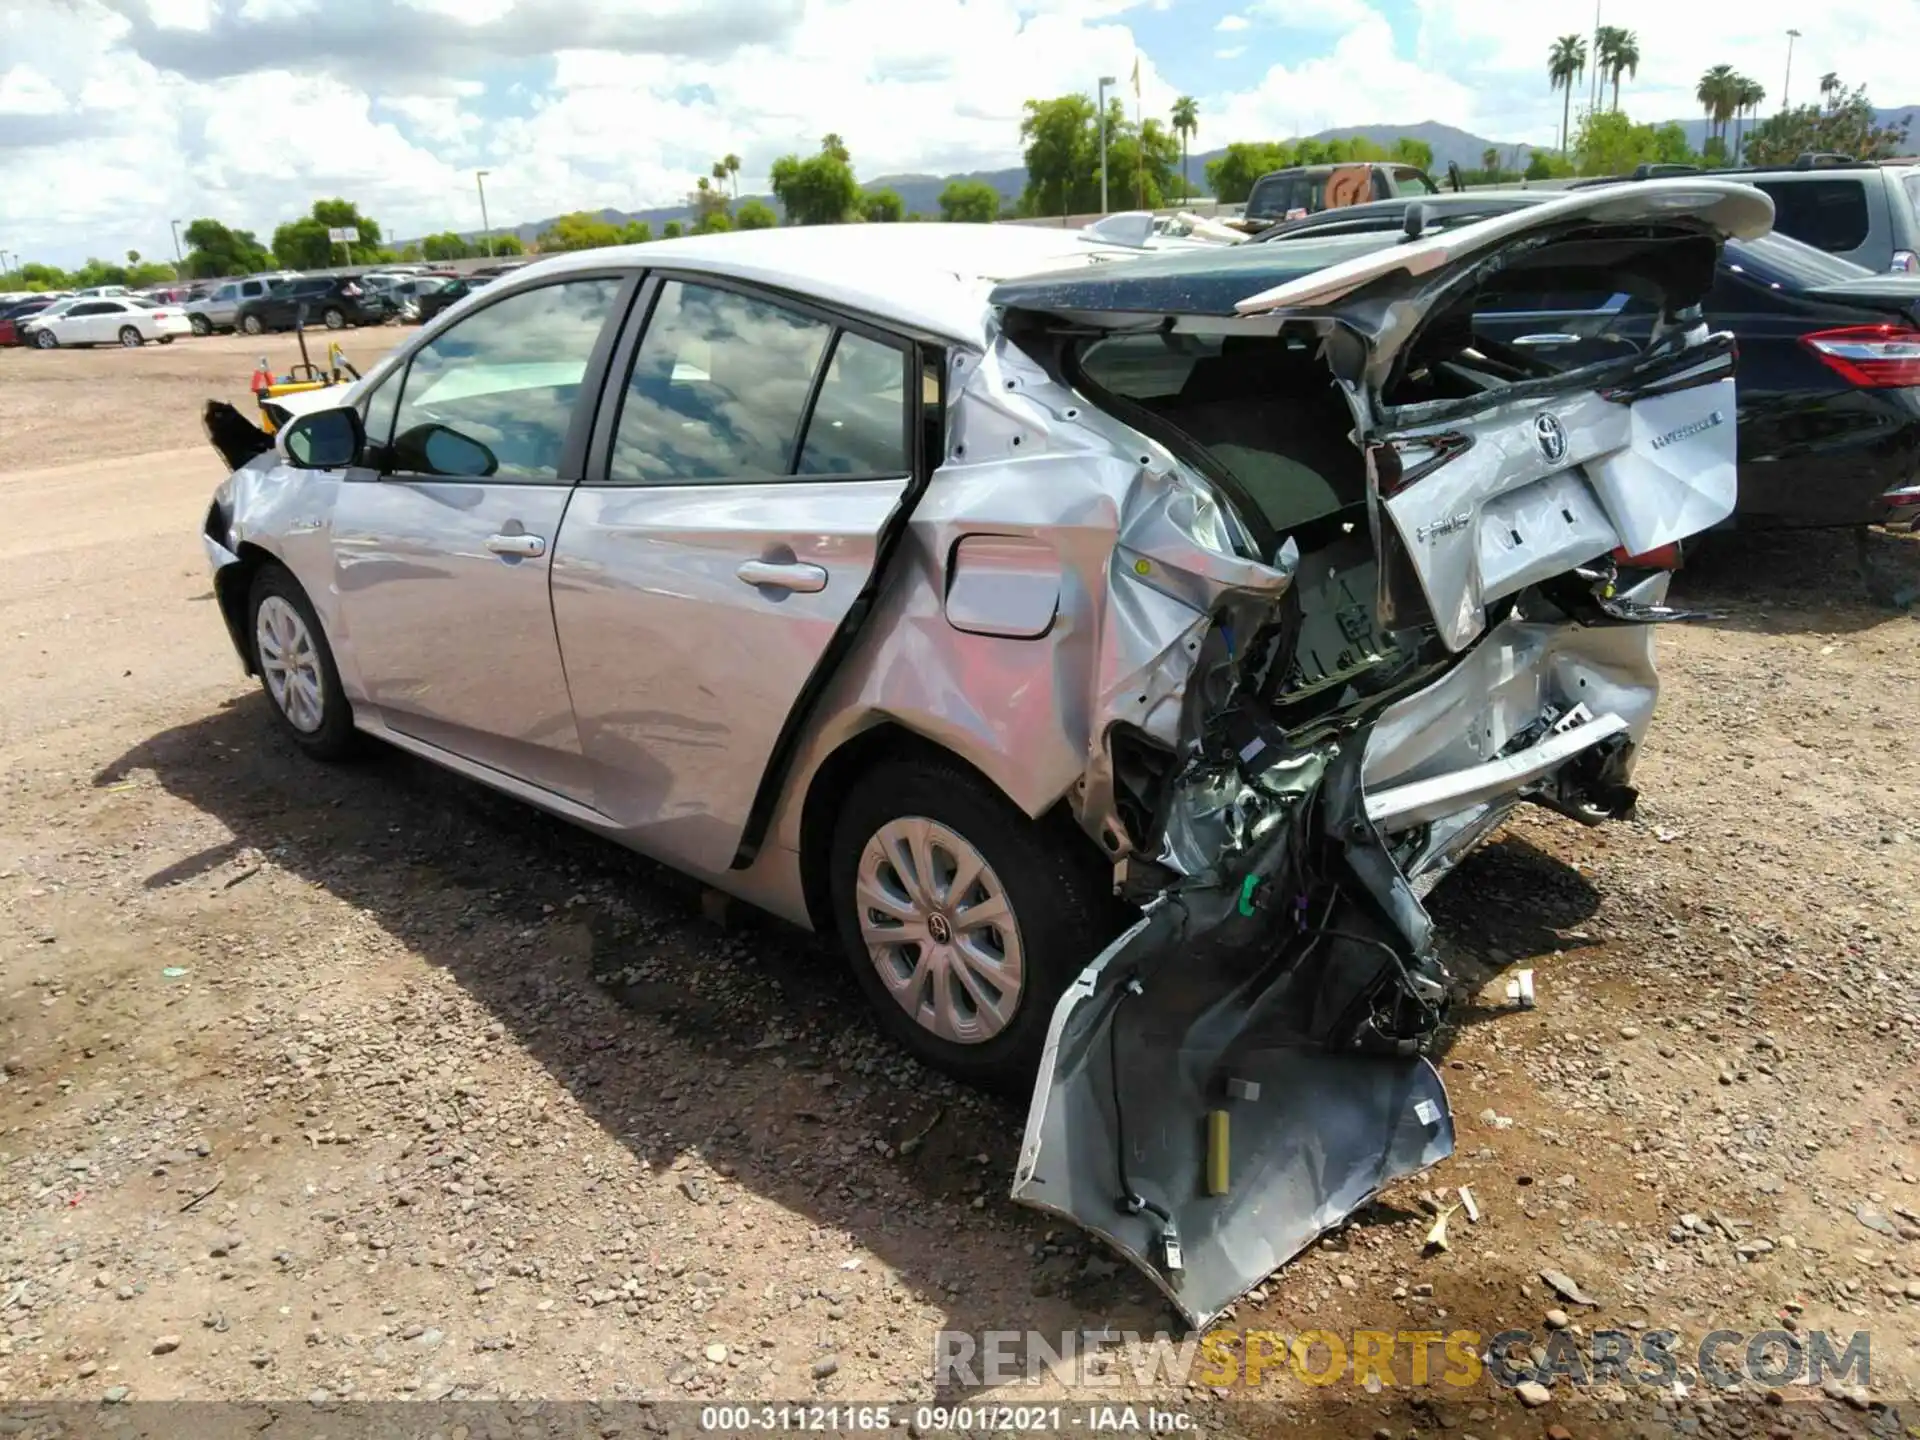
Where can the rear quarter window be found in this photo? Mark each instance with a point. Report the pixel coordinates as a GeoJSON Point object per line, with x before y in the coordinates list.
{"type": "Point", "coordinates": [1912, 184]}
{"type": "Point", "coordinates": [1831, 214]}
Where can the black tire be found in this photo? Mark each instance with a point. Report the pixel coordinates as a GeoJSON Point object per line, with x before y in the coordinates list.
{"type": "Point", "coordinates": [1058, 887]}
{"type": "Point", "coordinates": [336, 738]}
{"type": "Point", "coordinates": [250, 324]}
{"type": "Point", "coordinates": [201, 325]}
{"type": "Point", "coordinates": [45, 340]}
{"type": "Point", "coordinates": [334, 318]}
{"type": "Point", "coordinates": [130, 338]}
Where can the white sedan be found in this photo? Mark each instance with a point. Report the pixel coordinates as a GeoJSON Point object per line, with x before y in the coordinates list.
{"type": "Point", "coordinates": [126, 320]}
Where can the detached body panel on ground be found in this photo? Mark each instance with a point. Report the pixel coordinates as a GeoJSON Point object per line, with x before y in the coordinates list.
{"type": "Point", "coordinates": [933, 613]}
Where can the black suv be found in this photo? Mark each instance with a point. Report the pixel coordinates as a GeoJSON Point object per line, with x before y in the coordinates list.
{"type": "Point", "coordinates": [335, 301]}
{"type": "Point", "coordinates": [1862, 211]}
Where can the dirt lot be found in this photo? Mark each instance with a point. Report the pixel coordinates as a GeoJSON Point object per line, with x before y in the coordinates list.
{"type": "Point", "coordinates": [364, 1083]}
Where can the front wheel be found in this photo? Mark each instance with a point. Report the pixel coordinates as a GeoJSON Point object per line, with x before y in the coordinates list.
{"type": "Point", "coordinates": [296, 667]}
{"type": "Point", "coordinates": [46, 340]}
{"type": "Point", "coordinates": [130, 337]}
{"type": "Point", "coordinates": [964, 920]}
{"type": "Point", "coordinates": [334, 319]}
{"type": "Point", "coordinates": [251, 325]}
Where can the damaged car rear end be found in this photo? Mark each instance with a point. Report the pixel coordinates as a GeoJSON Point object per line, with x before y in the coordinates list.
{"type": "Point", "coordinates": [1381, 580]}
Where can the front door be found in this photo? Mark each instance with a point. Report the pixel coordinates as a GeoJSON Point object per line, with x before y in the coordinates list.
{"type": "Point", "coordinates": [751, 461]}
{"type": "Point", "coordinates": [442, 544]}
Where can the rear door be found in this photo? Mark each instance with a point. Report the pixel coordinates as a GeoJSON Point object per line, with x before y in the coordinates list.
{"type": "Point", "coordinates": [1493, 471]}
{"type": "Point", "coordinates": [750, 453]}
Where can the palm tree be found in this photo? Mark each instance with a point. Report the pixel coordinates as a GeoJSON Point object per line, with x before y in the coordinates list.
{"type": "Point", "coordinates": [1618, 54]}
{"type": "Point", "coordinates": [1490, 162]}
{"type": "Point", "coordinates": [1566, 63]}
{"type": "Point", "coordinates": [1716, 92]}
{"type": "Point", "coordinates": [1747, 97]}
{"type": "Point", "coordinates": [1186, 120]}
{"type": "Point", "coordinates": [1829, 89]}
{"type": "Point", "coordinates": [719, 171]}
{"type": "Point", "coordinates": [732, 164]}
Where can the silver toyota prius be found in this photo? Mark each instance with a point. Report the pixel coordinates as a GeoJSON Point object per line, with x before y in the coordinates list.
{"type": "Point", "coordinates": [1111, 648]}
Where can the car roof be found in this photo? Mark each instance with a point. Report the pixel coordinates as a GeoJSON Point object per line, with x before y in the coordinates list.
{"type": "Point", "coordinates": [931, 278]}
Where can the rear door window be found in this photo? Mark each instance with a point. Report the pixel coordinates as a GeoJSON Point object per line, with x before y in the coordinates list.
{"type": "Point", "coordinates": [719, 386]}
{"type": "Point", "coordinates": [1407, 180]}
{"type": "Point", "coordinates": [1831, 214]}
{"type": "Point", "coordinates": [859, 421]}
{"type": "Point", "coordinates": [1912, 184]}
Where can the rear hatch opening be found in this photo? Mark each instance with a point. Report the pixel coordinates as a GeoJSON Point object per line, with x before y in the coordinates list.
{"type": "Point", "coordinates": [1247, 1064]}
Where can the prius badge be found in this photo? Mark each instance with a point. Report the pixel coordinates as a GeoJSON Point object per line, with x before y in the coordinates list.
{"type": "Point", "coordinates": [1551, 436]}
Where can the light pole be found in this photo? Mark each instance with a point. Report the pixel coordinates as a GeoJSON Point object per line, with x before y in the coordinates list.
{"type": "Point", "coordinates": [179, 260]}
{"type": "Point", "coordinates": [1792, 35]}
{"type": "Point", "coordinates": [1105, 81]}
{"type": "Point", "coordinates": [486, 230]}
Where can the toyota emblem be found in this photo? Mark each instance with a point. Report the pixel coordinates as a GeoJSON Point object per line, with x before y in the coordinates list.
{"type": "Point", "coordinates": [1551, 436]}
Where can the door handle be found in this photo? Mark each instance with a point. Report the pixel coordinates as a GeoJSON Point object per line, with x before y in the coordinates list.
{"type": "Point", "coordinates": [517, 544]}
{"type": "Point", "coordinates": [1556, 338]}
{"type": "Point", "coordinates": [807, 579]}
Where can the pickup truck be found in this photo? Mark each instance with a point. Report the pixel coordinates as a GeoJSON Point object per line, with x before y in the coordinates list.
{"type": "Point", "coordinates": [1302, 190]}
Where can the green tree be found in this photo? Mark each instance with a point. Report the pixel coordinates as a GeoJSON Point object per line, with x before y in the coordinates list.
{"type": "Point", "coordinates": [1611, 144]}
{"type": "Point", "coordinates": [754, 214]}
{"type": "Point", "coordinates": [1186, 120]}
{"type": "Point", "coordinates": [1547, 165]}
{"type": "Point", "coordinates": [1566, 64]}
{"type": "Point", "coordinates": [1748, 98]}
{"type": "Point", "coordinates": [1717, 92]}
{"type": "Point", "coordinates": [214, 250]}
{"type": "Point", "coordinates": [150, 272]}
{"type": "Point", "coordinates": [1409, 151]}
{"type": "Point", "coordinates": [731, 164]}
{"type": "Point", "coordinates": [1062, 138]}
{"type": "Point", "coordinates": [671, 230]}
{"type": "Point", "coordinates": [133, 257]}
{"type": "Point", "coordinates": [412, 251]}
{"type": "Point", "coordinates": [508, 245]}
{"type": "Point", "coordinates": [303, 245]}
{"type": "Point", "coordinates": [445, 246]}
{"type": "Point", "coordinates": [338, 214]}
{"type": "Point", "coordinates": [1616, 53]}
{"type": "Point", "coordinates": [832, 144]}
{"type": "Point", "coordinates": [1231, 176]}
{"type": "Point", "coordinates": [971, 201]}
{"type": "Point", "coordinates": [819, 190]}
{"type": "Point", "coordinates": [36, 276]}
{"type": "Point", "coordinates": [1842, 122]}
{"type": "Point", "coordinates": [580, 230]}
{"type": "Point", "coordinates": [636, 232]}
{"type": "Point", "coordinates": [884, 207]}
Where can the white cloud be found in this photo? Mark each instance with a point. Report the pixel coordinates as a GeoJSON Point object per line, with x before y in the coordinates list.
{"type": "Point", "coordinates": [118, 115]}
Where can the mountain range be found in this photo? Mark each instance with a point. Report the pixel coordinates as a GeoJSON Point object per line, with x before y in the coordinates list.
{"type": "Point", "coordinates": [921, 193]}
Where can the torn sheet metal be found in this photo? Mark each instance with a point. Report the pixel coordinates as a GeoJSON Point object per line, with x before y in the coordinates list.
{"type": "Point", "coordinates": [1293, 1001]}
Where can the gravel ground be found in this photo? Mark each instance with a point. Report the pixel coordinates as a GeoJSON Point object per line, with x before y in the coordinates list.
{"type": "Point", "coordinates": [362, 1083]}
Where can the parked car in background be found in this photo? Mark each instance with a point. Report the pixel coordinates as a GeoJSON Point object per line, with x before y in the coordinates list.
{"type": "Point", "coordinates": [931, 585]}
{"type": "Point", "coordinates": [431, 300]}
{"type": "Point", "coordinates": [1307, 189]}
{"type": "Point", "coordinates": [1864, 211]}
{"type": "Point", "coordinates": [219, 309]}
{"type": "Point", "coordinates": [1829, 368]}
{"type": "Point", "coordinates": [99, 291]}
{"type": "Point", "coordinates": [335, 301]}
{"type": "Point", "coordinates": [95, 320]}
{"type": "Point", "coordinates": [13, 316]}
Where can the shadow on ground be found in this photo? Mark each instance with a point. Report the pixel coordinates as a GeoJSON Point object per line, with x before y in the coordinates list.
{"type": "Point", "coordinates": [1830, 581]}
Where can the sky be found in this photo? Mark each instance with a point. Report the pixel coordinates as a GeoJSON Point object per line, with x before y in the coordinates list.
{"type": "Point", "coordinates": [117, 116]}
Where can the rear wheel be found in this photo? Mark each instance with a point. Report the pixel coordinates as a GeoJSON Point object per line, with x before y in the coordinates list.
{"type": "Point", "coordinates": [251, 324]}
{"type": "Point", "coordinates": [296, 666]}
{"type": "Point", "coordinates": [131, 338]}
{"type": "Point", "coordinates": [201, 325]}
{"type": "Point", "coordinates": [964, 921]}
{"type": "Point", "coordinates": [166, 339]}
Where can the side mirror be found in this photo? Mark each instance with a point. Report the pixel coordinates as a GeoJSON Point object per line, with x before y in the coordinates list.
{"type": "Point", "coordinates": [323, 440]}
{"type": "Point", "coordinates": [434, 449]}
